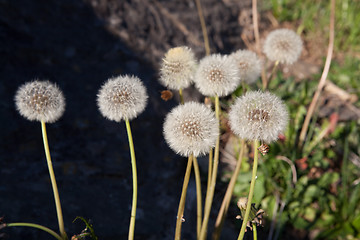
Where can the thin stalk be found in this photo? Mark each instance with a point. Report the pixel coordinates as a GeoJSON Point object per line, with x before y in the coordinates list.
{"type": "Point", "coordinates": [181, 96]}
{"type": "Point", "coordinates": [203, 27]}
{"type": "Point", "coordinates": [256, 26]}
{"type": "Point", "coordinates": [53, 182]}
{"type": "Point", "coordinates": [33, 225]}
{"type": "Point", "coordinates": [134, 174]}
{"type": "Point", "coordinates": [322, 81]}
{"type": "Point", "coordinates": [251, 191]}
{"type": "Point", "coordinates": [267, 82]}
{"type": "Point", "coordinates": [210, 196]}
{"type": "Point", "coordinates": [209, 170]}
{"type": "Point", "coordinates": [182, 199]}
{"type": "Point", "coordinates": [198, 196]}
{"type": "Point", "coordinates": [254, 231]}
{"type": "Point", "coordinates": [227, 198]}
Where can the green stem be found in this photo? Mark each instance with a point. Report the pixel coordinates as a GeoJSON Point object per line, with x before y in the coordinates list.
{"type": "Point", "coordinates": [209, 171]}
{"type": "Point", "coordinates": [267, 82]}
{"type": "Point", "coordinates": [251, 191]}
{"type": "Point", "coordinates": [53, 182]}
{"type": "Point", "coordinates": [182, 199]}
{"type": "Point", "coordinates": [181, 96]}
{"type": "Point", "coordinates": [254, 231]}
{"type": "Point", "coordinates": [198, 196]}
{"type": "Point", "coordinates": [227, 198]}
{"type": "Point", "coordinates": [134, 173]}
{"type": "Point", "coordinates": [210, 196]}
{"type": "Point", "coordinates": [33, 225]}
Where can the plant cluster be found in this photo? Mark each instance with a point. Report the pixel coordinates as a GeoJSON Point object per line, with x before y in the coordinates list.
{"type": "Point", "coordinates": [258, 118]}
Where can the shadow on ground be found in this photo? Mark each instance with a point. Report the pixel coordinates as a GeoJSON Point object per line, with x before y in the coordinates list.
{"type": "Point", "coordinates": [76, 45]}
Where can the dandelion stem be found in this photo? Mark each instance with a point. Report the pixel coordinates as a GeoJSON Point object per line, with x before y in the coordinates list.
{"type": "Point", "coordinates": [33, 225]}
{"type": "Point", "coordinates": [134, 173]}
{"type": "Point", "coordinates": [267, 82]}
{"type": "Point", "coordinates": [227, 198]}
{"type": "Point", "coordinates": [181, 96]}
{"type": "Point", "coordinates": [53, 182]}
{"type": "Point", "coordinates": [209, 170]}
{"type": "Point", "coordinates": [198, 196]}
{"type": "Point", "coordinates": [322, 81]}
{"type": "Point", "coordinates": [210, 196]}
{"type": "Point", "coordinates": [254, 231]}
{"type": "Point", "coordinates": [251, 191]}
{"type": "Point", "coordinates": [203, 27]}
{"type": "Point", "coordinates": [182, 199]}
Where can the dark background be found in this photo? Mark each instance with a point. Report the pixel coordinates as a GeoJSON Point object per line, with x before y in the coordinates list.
{"type": "Point", "coordinates": [78, 45]}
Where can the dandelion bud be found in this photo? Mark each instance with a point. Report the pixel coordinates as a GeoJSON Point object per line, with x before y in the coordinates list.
{"type": "Point", "coordinates": [217, 75]}
{"type": "Point", "coordinates": [178, 68]}
{"type": "Point", "coordinates": [191, 128]}
{"type": "Point", "coordinates": [258, 116]}
{"type": "Point", "coordinates": [283, 45]}
{"type": "Point", "coordinates": [122, 98]}
{"type": "Point", "coordinates": [242, 203]}
{"type": "Point", "coordinates": [40, 101]}
{"type": "Point", "coordinates": [249, 65]}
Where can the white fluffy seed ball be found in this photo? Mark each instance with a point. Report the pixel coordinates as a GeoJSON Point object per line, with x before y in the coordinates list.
{"type": "Point", "coordinates": [191, 128]}
{"type": "Point", "coordinates": [122, 98]}
{"type": "Point", "coordinates": [258, 116]}
{"type": "Point", "coordinates": [283, 45]}
{"type": "Point", "coordinates": [217, 75]}
{"type": "Point", "coordinates": [40, 101]}
{"type": "Point", "coordinates": [178, 68]}
{"type": "Point", "coordinates": [249, 65]}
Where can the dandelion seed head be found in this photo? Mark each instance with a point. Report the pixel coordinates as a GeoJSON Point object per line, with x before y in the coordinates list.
{"type": "Point", "coordinates": [122, 98]}
{"type": "Point", "coordinates": [249, 65]}
{"type": "Point", "coordinates": [191, 129]}
{"type": "Point", "coordinates": [178, 68]}
{"type": "Point", "coordinates": [258, 116]}
{"type": "Point", "coordinates": [283, 45]}
{"type": "Point", "coordinates": [40, 101]}
{"type": "Point", "coordinates": [217, 75]}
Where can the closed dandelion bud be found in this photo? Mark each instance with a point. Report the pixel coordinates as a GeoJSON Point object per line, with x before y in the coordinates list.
{"type": "Point", "coordinates": [217, 75]}
{"type": "Point", "coordinates": [249, 65]}
{"type": "Point", "coordinates": [258, 116]}
{"type": "Point", "coordinates": [122, 98]}
{"type": "Point", "coordinates": [178, 68]}
{"type": "Point", "coordinates": [255, 215]}
{"type": "Point", "coordinates": [40, 101]}
{"type": "Point", "coordinates": [242, 203]}
{"type": "Point", "coordinates": [191, 128]}
{"type": "Point", "coordinates": [283, 45]}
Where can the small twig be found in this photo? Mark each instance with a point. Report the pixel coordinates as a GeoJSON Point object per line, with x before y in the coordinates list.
{"type": "Point", "coordinates": [178, 24]}
{"type": "Point", "coordinates": [322, 79]}
{"type": "Point", "coordinates": [203, 27]}
{"type": "Point", "coordinates": [292, 166]}
{"type": "Point", "coordinates": [256, 26]}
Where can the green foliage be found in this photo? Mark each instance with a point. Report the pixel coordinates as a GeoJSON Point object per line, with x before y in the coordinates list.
{"type": "Point", "coordinates": [326, 195]}
{"type": "Point", "coordinates": [87, 232]}
{"type": "Point", "coordinates": [314, 16]}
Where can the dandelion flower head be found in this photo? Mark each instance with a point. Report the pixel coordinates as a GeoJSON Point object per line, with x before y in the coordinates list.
{"type": "Point", "coordinates": [178, 68]}
{"type": "Point", "coordinates": [258, 116]}
{"type": "Point", "coordinates": [283, 45]}
{"type": "Point", "coordinates": [191, 128]}
{"type": "Point", "coordinates": [122, 98]}
{"type": "Point", "coordinates": [249, 65]}
{"type": "Point", "coordinates": [217, 75]}
{"type": "Point", "coordinates": [40, 101]}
